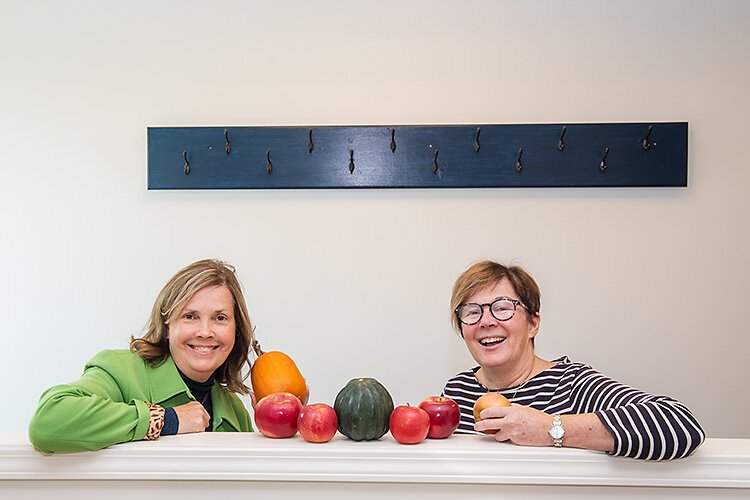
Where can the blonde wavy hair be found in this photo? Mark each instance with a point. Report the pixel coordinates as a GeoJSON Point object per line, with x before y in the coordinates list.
{"type": "Point", "coordinates": [153, 346]}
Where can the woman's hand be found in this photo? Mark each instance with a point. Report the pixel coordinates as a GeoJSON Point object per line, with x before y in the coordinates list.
{"type": "Point", "coordinates": [192, 416]}
{"type": "Point", "coordinates": [529, 427]}
{"type": "Point", "coordinates": [518, 424]}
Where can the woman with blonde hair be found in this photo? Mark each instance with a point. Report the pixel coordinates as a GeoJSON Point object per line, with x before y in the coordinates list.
{"type": "Point", "coordinates": [181, 377]}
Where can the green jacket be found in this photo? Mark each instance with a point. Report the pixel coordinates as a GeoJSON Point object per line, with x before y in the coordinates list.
{"type": "Point", "coordinates": [107, 405]}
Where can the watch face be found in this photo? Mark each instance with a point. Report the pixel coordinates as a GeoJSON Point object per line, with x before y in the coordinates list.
{"type": "Point", "coordinates": [556, 432]}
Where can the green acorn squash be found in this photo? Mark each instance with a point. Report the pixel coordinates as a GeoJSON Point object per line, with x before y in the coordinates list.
{"type": "Point", "coordinates": [363, 408]}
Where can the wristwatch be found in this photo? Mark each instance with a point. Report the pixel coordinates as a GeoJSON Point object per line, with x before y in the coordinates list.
{"type": "Point", "coordinates": [557, 432]}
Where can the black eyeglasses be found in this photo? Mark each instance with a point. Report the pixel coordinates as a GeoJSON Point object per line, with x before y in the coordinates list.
{"type": "Point", "coordinates": [502, 309]}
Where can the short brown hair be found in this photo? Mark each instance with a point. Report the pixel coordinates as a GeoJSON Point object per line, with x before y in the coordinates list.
{"type": "Point", "coordinates": [154, 345]}
{"type": "Point", "coordinates": [487, 273]}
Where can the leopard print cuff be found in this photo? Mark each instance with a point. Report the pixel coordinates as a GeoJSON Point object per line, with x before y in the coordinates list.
{"type": "Point", "coordinates": [156, 422]}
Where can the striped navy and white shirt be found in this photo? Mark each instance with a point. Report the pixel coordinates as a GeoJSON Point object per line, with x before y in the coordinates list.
{"type": "Point", "coordinates": [644, 426]}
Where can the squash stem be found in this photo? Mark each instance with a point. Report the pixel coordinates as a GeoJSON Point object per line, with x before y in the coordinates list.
{"type": "Point", "coordinates": [256, 348]}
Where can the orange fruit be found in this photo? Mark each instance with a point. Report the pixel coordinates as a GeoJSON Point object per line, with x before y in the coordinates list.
{"type": "Point", "coordinates": [489, 400]}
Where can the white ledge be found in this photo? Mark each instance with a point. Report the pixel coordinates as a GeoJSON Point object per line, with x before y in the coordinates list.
{"type": "Point", "coordinates": [719, 463]}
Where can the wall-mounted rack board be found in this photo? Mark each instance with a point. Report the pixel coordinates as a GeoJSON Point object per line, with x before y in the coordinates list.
{"type": "Point", "coordinates": [417, 156]}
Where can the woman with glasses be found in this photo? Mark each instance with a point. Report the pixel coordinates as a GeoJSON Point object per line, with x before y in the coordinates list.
{"type": "Point", "coordinates": [180, 377]}
{"type": "Point", "coordinates": [555, 403]}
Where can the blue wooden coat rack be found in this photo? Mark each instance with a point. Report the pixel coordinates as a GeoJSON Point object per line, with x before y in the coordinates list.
{"type": "Point", "coordinates": [416, 156]}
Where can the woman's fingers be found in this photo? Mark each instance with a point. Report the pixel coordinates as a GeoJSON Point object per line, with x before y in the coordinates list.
{"type": "Point", "coordinates": [518, 424]}
{"type": "Point", "coordinates": [192, 416]}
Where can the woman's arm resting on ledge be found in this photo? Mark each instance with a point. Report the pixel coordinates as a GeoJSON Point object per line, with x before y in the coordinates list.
{"type": "Point", "coordinates": [526, 426]}
{"type": "Point", "coordinates": [86, 415]}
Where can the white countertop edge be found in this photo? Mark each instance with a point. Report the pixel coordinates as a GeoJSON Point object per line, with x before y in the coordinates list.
{"type": "Point", "coordinates": [719, 463]}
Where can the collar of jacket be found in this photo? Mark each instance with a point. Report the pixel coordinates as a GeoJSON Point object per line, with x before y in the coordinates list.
{"type": "Point", "coordinates": [165, 383]}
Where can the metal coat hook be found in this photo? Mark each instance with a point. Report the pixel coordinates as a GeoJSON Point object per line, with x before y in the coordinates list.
{"type": "Point", "coordinates": [519, 165]}
{"type": "Point", "coordinates": [393, 140]}
{"type": "Point", "coordinates": [646, 142]}
{"type": "Point", "coordinates": [310, 145]}
{"type": "Point", "coordinates": [561, 141]}
{"type": "Point", "coordinates": [187, 162]}
{"type": "Point", "coordinates": [351, 161]}
{"type": "Point", "coordinates": [434, 162]}
{"type": "Point", "coordinates": [476, 140]}
{"type": "Point", "coordinates": [227, 143]}
{"type": "Point", "coordinates": [269, 164]}
{"type": "Point", "coordinates": [603, 164]}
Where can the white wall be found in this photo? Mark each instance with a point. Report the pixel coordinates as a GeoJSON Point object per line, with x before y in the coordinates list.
{"type": "Point", "coordinates": [647, 285]}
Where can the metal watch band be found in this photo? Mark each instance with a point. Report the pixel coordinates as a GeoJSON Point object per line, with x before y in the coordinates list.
{"type": "Point", "coordinates": [556, 422]}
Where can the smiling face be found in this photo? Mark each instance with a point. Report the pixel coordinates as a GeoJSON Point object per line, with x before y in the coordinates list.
{"type": "Point", "coordinates": [202, 334]}
{"type": "Point", "coordinates": [498, 344]}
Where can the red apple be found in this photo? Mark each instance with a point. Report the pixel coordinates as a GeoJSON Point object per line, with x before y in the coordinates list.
{"type": "Point", "coordinates": [276, 415]}
{"type": "Point", "coordinates": [444, 416]}
{"type": "Point", "coordinates": [317, 423]}
{"type": "Point", "coordinates": [409, 424]}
